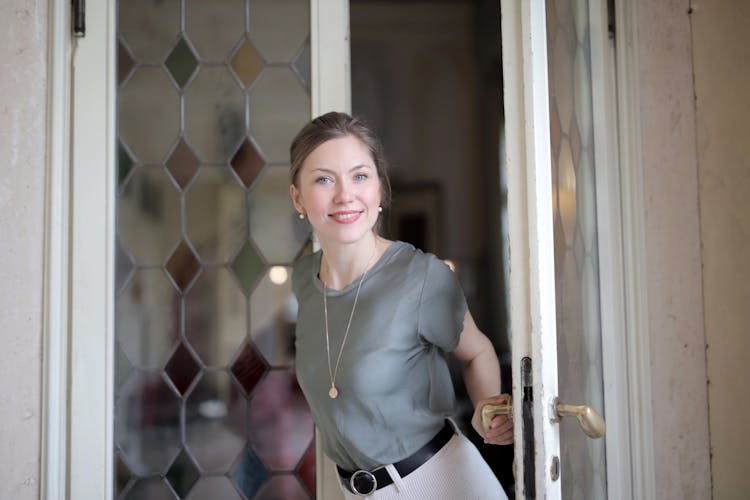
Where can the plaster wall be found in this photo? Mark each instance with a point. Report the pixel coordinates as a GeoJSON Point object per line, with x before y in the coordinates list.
{"type": "Point", "coordinates": [673, 252]}
{"type": "Point", "coordinates": [721, 50]}
{"type": "Point", "coordinates": [23, 56]}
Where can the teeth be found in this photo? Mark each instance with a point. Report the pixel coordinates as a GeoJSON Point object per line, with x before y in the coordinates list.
{"type": "Point", "coordinates": [346, 216]}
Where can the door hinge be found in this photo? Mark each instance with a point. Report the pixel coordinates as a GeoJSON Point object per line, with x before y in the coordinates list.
{"type": "Point", "coordinates": [527, 415]}
{"type": "Point", "coordinates": [611, 26]}
{"type": "Point", "coordinates": [79, 18]}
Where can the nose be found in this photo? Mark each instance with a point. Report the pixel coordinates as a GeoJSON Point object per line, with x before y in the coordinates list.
{"type": "Point", "coordinates": [344, 192]}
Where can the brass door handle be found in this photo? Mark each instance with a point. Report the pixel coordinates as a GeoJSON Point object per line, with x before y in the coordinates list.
{"type": "Point", "coordinates": [591, 422]}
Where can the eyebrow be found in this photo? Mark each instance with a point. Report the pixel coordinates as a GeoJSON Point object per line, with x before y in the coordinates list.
{"type": "Point", "coordinates": [354, 168]}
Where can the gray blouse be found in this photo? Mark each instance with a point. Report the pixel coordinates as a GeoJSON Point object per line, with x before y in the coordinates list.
{"type": "Point", "coordinates": [393, 379]}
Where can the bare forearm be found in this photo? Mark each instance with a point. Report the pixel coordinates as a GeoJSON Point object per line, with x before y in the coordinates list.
{"type": "Point", "coordinates": [482, 375]}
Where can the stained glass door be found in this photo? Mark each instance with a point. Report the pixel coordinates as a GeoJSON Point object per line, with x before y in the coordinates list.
{"type": "Point", "coordinates": [209, 95]}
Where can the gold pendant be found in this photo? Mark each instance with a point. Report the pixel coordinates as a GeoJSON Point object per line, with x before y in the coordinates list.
{"type": "Point", "coordinates": [333, 392]}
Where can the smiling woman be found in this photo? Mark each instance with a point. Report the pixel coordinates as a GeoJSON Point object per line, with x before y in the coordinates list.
{"type": "Point", "coordinates": [389, 314]}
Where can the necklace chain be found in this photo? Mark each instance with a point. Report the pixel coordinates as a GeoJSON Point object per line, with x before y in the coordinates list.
{"type": "Point", "coordinates": [333, 392]}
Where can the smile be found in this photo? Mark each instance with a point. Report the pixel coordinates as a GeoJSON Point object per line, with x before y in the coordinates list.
{"type": "Point", "coordinates": [346, 217]}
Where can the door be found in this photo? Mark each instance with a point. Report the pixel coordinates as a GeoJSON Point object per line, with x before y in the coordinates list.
{"type": "Point", "coordinates": [556, 148]}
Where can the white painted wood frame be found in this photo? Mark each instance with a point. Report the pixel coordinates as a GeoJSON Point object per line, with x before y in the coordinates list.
{"type": "Point", "coordinates": [331, 91]}
{"type": "Point", "coordinates": [532, 263]}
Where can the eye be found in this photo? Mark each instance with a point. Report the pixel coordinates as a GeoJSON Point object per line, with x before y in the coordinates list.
{"type": "Point", "coordinates": [361, 177]}
{"type": "Point", "coordinates": [323, 180]}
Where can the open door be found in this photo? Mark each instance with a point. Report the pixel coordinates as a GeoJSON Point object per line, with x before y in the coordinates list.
{"type": "Point", "coordinates": [551, 136]}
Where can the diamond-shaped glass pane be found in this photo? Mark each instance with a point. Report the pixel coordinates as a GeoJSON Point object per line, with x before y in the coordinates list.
{"type": "Point", "coordinates": [149, 27]}
{"type": "Point", "coordinates": [306, 469]}
{"type": "Point", "coordinates": [182, 368]}
{"type": "Point", "coordinates": [247, 163]}
{"type": "Point", "coordinates": [215, 317]}
{"type": "Point", "coordinates": [214, 113]}
{"type": "Point", "coordinates": [273, 315]}
{"type": "Point", "coordinates": [124, 163]}
{"type": "Point", "coordinates": [566, 191]}
{"type": "Point", "coordinates": [182, 266]}
{"type": "Point", "coordinates": [152, 488]}
{"type": "Point", "coordinates": [285, 485]}
{"type": "Point", "coordinates": [280, 443]}
{"type": "Point", "coordinates": [125, 62]}
{"type": "Point", "coordinates": [214, 27]}
{"type": "Point", "coordinates": [183, 474]}
{"type": "Point", "coordinates": [123, 368]}
{"type": "Point", "coordinates": [301, 64]}
{"type": "Point", "coordinates": [249, 369]}
{"type": "Point", "coordinates": [147, 423]}
{"type": "Point", "coordinates": [216, 214]}
{"type": "Point", "coordinates": [280, 108]}
{"type": "Point", "coordinates": [148, 219]}
{"type": "Point", "coordinates": [182, 164]}
{"type": "Point", "coordinates": [123, 266]}
{"type": "Point", "coordinates": [249, 473]}
{"type": "Point", "coordinates": [247, 266]}
{"type": "Point", "coordinates": [181, 63]}
{"type": "Point", "coordinates": [149, 114]}
{"type": "Point", "coordinates": [274, 225]}
{"type": "Point", "coordinates": [216, 422]}
{"type": "Point", "coordinates": [247, 63]}
{"type": "Point", "coordinates": [123, 475]}
{"type": "Point", "coordinates": [279, 27]}
{"type": "Point", "coordinates": [148, 319]}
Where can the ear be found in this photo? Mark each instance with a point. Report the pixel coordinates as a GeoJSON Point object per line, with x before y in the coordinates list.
{"type": "Point", "coordinates": [295, 195]}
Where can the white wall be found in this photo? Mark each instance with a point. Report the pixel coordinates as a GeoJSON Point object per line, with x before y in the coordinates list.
{"type": "Point", "coordinates": [23, 52]}
{"type": "Point", "coordinates": [673, 252]}
{"type": "Point", "coordinates": [721, 60]}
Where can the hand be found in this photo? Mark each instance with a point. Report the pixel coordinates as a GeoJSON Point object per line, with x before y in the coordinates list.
{"type": "Point", "coordinates": [501, 426]}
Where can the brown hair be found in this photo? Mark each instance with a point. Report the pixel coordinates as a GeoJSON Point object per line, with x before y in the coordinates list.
{"type": "Point", "coordinates": [335, 125]}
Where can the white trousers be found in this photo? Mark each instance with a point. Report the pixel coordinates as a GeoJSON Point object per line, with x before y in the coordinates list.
{"type": "Point", "coordinates": [456, 472]}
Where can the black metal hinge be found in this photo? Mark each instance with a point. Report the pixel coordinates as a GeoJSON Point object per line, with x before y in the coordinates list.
{"type": "Point", "coordinates": [79, 18]}
{"type": "Point", "coordinates": [611, 26]}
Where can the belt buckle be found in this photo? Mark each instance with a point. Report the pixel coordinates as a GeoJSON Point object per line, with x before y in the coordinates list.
{"type": "Point", "coordinates": [360, 480]}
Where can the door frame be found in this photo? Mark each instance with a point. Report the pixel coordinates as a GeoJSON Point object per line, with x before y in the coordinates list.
{"type": "Point", "coordinates": [79, 245]}
{"type": "Point", "coordinates": [619, 186]}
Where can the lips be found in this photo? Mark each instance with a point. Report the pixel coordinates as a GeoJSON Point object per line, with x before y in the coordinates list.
{"type": "Point", "coordinates": [346, 216]}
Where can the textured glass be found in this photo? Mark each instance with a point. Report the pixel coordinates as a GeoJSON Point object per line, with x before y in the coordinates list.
{"type": "Point", "coordinates": [247, 63]}
{"type": "Point", "coordinates": [576, 255]}
{"type": "Point", "coordinates": [215, 423]}
{"type": "Point", "coordinates": [148, 319]}
{"type": "Point", "coordinates": [273, 315]}
{"type": "Point", "coordinates": [274, 224]}
{"type": "Point", "coordinates": [279, 27]}
{"type": "Point", "coordinates": [149, 27]}
{"type": "Point", "coordinates": [249, 473]}
{"type": "Point", "coordinates": [149, 114]}
{"type": "Point", "coordinates": [215, 488]}
{"type": "Point", "coordinates": [181, 63]}
{"type": "Point", "coordinates": [148, 217]}
{"type": "Point", "coordinates": [279, 107]}
{"type": "Point", "coordinates": [183, 474]}
{"type": "Point", "coordinates": [215, 27]}
{"type": "Point", "coordinates": [216, 214]}
{"type": "Point", "coordinates": [247, 163]}
{"type": "Point", "coordinates": [191, 172]}
{"type": "Point", "coordinates": [249, 369]}
{"type": "Point", "coordinates": [280, 443]}
{"type": "Point", "coordinates": [182, 164]}
{"type": "Point", "coordinates": [286, 487]}
{"type": "Point", "coordinates": [215, 317]}
{"type": "Point", "coordinates": [147, 419]}
{"type": "Point", "coordinates": [152, 488]}
{"type": "Point", "coordinates": [214, 114]}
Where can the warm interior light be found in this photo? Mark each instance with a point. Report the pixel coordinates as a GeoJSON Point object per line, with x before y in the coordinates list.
{"type": "Point", "coordinates": [278, 275]}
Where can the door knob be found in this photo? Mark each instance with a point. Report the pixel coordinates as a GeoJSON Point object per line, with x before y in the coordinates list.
{"type": "Point", "coordinates": [591, 422]}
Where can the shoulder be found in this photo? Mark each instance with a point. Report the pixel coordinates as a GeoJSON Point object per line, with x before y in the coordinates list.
{"type": "Point", "coordinates": [419, 265]}
{"type": "Point", "coordinates": [304, 271]}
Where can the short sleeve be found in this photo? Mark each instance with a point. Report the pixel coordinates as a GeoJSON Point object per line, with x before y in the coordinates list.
{"type": "Point", "coordinates": [442, 306]}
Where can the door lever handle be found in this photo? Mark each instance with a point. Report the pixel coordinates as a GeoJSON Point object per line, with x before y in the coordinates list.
{"type": "Point", "coordinates": [591, 422]}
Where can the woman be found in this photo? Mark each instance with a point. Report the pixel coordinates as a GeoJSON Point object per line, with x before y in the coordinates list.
{"type": "Point", "coordinates": [375, 319]}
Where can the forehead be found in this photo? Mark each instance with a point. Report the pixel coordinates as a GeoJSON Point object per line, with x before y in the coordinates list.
{"type": "Point", "coordinates": [341, 153]}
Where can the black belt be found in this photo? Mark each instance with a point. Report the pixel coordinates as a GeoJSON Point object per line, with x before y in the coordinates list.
{"type": "Point", "coordinates": [364, 482]}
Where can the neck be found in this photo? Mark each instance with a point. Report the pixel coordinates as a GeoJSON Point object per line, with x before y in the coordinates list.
{"type": "Point", "coordinates": [341, 264]}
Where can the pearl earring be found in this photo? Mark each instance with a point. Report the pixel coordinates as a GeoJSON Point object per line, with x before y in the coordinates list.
{"type": "Point", "coordinates": [301, 216]}
{"type": "Point", "coordinates": [380, 209]}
